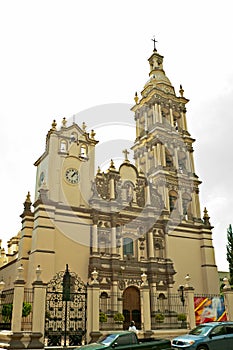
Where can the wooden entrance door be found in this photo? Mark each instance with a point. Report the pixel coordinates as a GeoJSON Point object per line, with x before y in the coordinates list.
{"type": "Point", "coordinates": [132, 307]}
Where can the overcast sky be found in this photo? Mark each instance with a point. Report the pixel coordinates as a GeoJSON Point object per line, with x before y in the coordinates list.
{"type": "Point", "coordinates": [59, 58]}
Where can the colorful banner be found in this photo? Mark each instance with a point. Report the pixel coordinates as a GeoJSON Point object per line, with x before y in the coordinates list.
{"type": "Point", "coordinates": [208, 309]}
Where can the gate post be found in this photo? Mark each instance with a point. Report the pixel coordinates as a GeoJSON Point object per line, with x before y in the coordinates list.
{"type": "Point", "coordinates": [146, 312]}
{"type": "Point", "coordinates": [228, 299]}
{"type": "Point", "coordinates": [189, 294]}
{"type": "Point", "coordinates": [93, 294]}
{"type": "Point", "coordinates": [18, 301]}
{"type": "Point", "coordinates": [39, 301]}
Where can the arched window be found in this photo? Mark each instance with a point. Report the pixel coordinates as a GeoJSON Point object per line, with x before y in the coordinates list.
{"type": "Point", "coordinates": [172, 200]}
{"type": "Point", "coordinates": [182, 161]}
{"type": "Point", "coordinates": [73, 137]}
{"type": "Point", "coordinates": [186, 204]}
{"type": "Point", "coordinates": [128, 246]}
{"type": "Point", "coordinates": [129, 190]}
{"type": "Point", "coordinates": [103, 302]}
{"type": "Point", "coordinates": [63, 146]}
{"type": "Point", "coordinates": [83, 151]}
{"type": "Point", "coordinates": [169, 160]}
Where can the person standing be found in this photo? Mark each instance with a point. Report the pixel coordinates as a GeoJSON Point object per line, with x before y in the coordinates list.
{"type": "Point", "coordinates": [132, 327]}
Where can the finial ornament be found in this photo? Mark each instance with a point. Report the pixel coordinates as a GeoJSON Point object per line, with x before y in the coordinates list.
{"type": "Point", "coordinates": [136, 98]}
{"type": "Point", "coordinates": [154, 41]}
{"type": "Point", "coordinates": [226, 284]}
{"type": "Point", "coordinates": [38, 273]}
{"type": "Point", "coordinates": [84, 126]}
{"type": "Point", "coordinates": [181, 91]}
{"type": "Point", "coordinates": [92, 134]}
{"type": "Point", "coordinates": [206, 217]}
{"type": "Point", "coordinates": [94, 275]}
{"type": "Point", "coordinates": [64, 121]}
{"type": "Point", "coordinates": [144, 279]}
{"type": "Point", "coordinates": [20, 270]}
{"type": "Point", "coordinates": [27, 203]}
{"type": "Point", "coordinates": [112, 166]}
{"type": "Point", "coordinates": [54, 125]}
{"type": "Point", "coordinates": [28, 198]}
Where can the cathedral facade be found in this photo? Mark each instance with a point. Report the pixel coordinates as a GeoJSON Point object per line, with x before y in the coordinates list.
{"type": "Point", "coordinates": [138, 219]}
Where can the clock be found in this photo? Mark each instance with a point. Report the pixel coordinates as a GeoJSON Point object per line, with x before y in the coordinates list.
{"type": "Point", "coordinates": [72, 176]}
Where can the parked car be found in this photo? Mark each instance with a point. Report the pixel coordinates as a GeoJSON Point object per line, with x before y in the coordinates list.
{"type": "Point", "coordinates": [207, 336]}
{"type": "Point", "coordinates": [128, 341]}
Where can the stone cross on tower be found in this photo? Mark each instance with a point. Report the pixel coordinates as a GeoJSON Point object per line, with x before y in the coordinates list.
{"type": "Point", "coordinates": [126, 155]}
{"type": "Point", "coordinates": [155, 41]}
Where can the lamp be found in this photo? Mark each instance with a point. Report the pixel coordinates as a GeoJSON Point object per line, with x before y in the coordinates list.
{"type": "Point", "coordinates": [181, 294]}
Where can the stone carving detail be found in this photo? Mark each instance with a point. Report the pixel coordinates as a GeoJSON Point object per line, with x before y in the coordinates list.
{"type": "Point", "coordinates": [156, 199]}
{"type": "Point", "coordinates": [122, 284]}
{"type": "Point", "coordinates": [102, 186]}
{"type": "Point", "coordinates": [140, 192]}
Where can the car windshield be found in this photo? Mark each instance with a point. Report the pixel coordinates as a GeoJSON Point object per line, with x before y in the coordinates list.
{"type": "Point", "coordinates": [107, 339]}
{"type": "Point", "coordinates": [200, 330]}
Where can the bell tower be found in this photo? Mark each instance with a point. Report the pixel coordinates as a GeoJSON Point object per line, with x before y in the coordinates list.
{"type": "Point", "coordinates": [67, 165]}
{"type": "Point", "coordinates": [163, 150]}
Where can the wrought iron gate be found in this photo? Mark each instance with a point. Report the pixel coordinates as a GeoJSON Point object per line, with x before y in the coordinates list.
{"type": "Point", "coordinates": [65, 318]}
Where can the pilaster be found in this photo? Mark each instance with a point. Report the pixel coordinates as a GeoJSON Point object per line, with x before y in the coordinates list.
{"type": "Point", "coordinates": [93, 294]}
{"type": "Point", "coordinates": [146, 312]}
{"type": "Point", "coordinates": [228, 298]}
{"type": "Point", "coordinates": [18, 299]}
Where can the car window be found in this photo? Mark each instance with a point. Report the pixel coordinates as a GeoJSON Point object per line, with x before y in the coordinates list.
{"type": "Point", "coordinates": [219, 330]}
{"type": "Point", "coordinates": [200, 330]}
{"type": "Point", "coordinates": [107, 339]}
{"type": "Point", "coordinates": [229, 329]}
{"type": "Point", "coordinates": [124, 339]}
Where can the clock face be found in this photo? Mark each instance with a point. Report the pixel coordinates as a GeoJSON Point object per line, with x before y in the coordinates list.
{"type": "Point", "coordinates": [72, 176]}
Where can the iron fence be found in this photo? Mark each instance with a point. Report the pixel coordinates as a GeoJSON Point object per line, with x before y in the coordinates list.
{"type": "Point", "coordinates": [6, 307]}
{"type": "Point", "coordinates": [168, 311]}
{"type": "Point", "coordinates": [108, 306]}
{"type": "Point", "coordinates": [27, 310]}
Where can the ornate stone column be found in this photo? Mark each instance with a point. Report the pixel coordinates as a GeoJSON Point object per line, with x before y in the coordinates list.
{"type": "Point", "coordinates": [114, 297]}
{"type": "Point", "coordinates": [137, 127]}
{"type": "Point", "coordinates": [155, 155]}
{"type": "Point", "coordinates": [160, 119]}
{"type": "Point", "coordinates": [113, 235]}
{"type": "Point", "coordinates": [93, 294]}
{"type": "Point", "coordinates": [159, 156]}
{"type": "Point", "coordinates": [151, 245]}
{"type": "Point", "coordinates": [147, 195]}
{"type": "Point", "coordinates": [171, 116]}
{"type": "Point", "coordinates": [189, 296]}
{"type": "Point", "coordinates": [146, 160]}
{"type": "Point", "coordinates": [183, 118]}
{"type": "Point", "coordinates": [112, 188]}
{"type": "Point", "coordinates": [95, 235]}
{"type": "Point", "coordinates": [163, 155]}
{"type": "Point", "coordinates": [146, 121]}
{"type": "Point", "coordinates": [146, 313]}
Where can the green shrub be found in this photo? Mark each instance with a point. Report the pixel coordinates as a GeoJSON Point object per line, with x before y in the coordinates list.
{"type": "Point", "coordinates": [102, 317]}
{"type": "Point", "coordinates": [181, 317]}
{"type": "Point", "coordinates": [118, 317]}
{"type": "Point", "coordinates": [159, 317]}
{"type": "Point", "coordinates": [7, 311]}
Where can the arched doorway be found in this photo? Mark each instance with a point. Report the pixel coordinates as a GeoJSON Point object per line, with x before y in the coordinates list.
{"type": "Point", "coordinates": [132, 307]}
